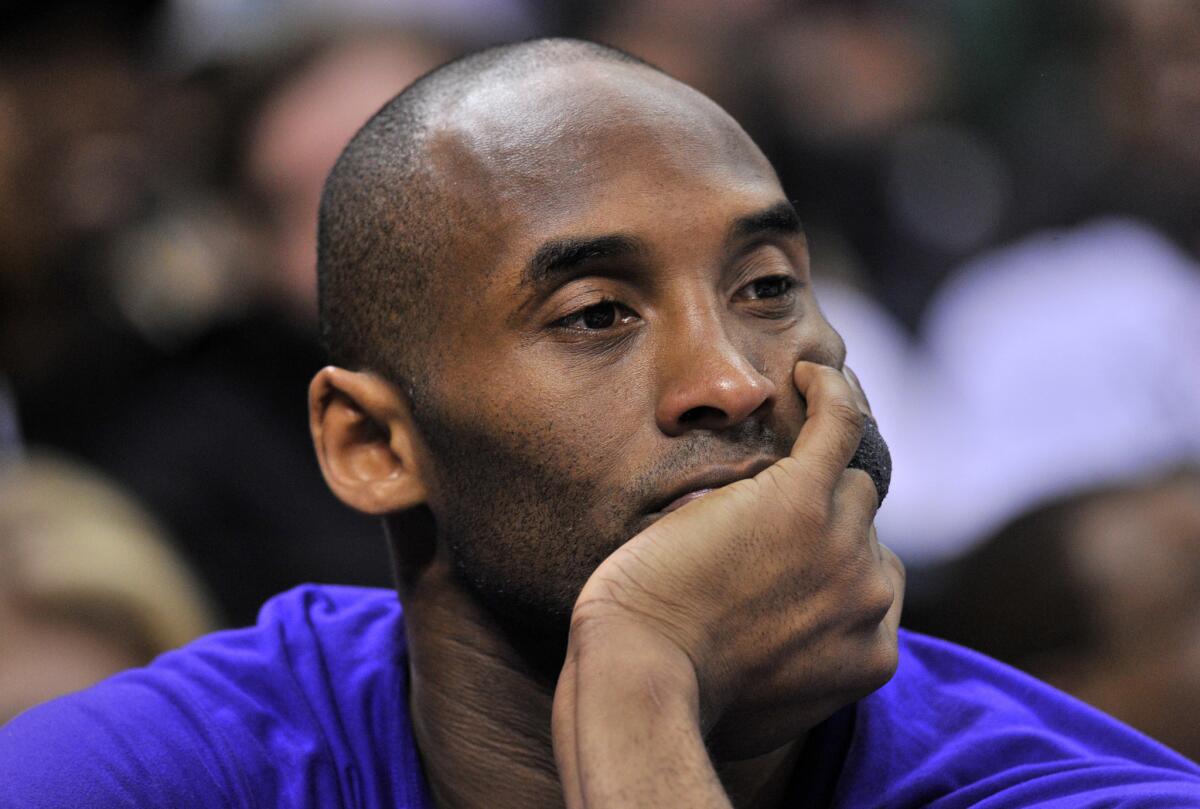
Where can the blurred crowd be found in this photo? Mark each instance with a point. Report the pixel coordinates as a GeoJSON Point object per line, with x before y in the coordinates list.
{"type": "Point", "coordinates": [1002, 199]}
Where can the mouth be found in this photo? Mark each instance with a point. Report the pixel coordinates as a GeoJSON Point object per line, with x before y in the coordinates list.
{"type": "Point", "coordinates": [705, 481]}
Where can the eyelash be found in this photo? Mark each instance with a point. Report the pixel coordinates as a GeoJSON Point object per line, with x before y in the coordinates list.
{"type": "Point", "coordinates": [622, 311]}
{"type": "Point", "coordinates": [790, 285]}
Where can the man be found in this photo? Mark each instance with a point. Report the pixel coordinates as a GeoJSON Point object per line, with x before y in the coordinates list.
{"type": "Point", "coordinates": [583, 378]}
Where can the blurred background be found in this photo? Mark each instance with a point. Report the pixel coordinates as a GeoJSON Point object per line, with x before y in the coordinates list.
{"type": "Point", "coordinates": [1003, 203]}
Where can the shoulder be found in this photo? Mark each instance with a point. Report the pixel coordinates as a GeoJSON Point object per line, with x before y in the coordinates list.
{"type": "Point", "coordinates": [307, 707]}
{"type": "Point", "coordinates": [961, 729]}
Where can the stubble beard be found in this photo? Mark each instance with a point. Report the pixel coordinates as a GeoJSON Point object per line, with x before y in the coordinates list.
{"type": "Point", "coordinates": [525, 528]}
{"type": "Point", "coordinates": [521, 534]}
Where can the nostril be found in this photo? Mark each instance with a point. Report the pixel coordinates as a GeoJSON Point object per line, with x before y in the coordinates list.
{"type": "Point", "coordinates": [701, 414]}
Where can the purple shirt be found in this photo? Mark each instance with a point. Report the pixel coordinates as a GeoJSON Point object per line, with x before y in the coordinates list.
{"type": "Point", "coordinates": [308, 709]}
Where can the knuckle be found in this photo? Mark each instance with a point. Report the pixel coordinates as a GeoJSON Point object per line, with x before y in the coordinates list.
{"type": "Point", "coordinates": [593, 618]}
{"type": "Point", "coordinates": [876, 659]}
{"type": "Point", "coordinates": [899, 572]}
{"type": "Point", "coordinates": [869, 588]}
{"type": "Point", "coordinates": [825, 380]}
{"type": "Point", "coordinates": [829, 374]}
{"type": "Point", "coordinates": [877, 598]}
{"type": "Point", "coordinates": [791, 481]}
{"type": "Point", "coordinates": [861, 489]}
{"type": "Point", "coordinates": [884, 657]}
{"type": "Point", "coordinates": [781, 480]}
{"type": "Point", "coordinates": [851, 377]}
{"type": "Point", "coordinates": [815, 518]}
{"type": "Point", "coordinates": [847, 412]}
{"type": "Point", "coordinates": [856, 386]}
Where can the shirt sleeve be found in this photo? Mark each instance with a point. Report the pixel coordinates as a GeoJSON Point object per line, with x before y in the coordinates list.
{"type": "Point", "coordinates": [957, 729]}
{"type": "Point", "coordinates": [126, 743]}
{"type": "Point", "coordinates": [305, 709]}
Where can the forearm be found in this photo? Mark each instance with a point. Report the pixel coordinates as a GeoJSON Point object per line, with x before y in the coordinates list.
{"type": "Point", "coordinates": [627, 728]}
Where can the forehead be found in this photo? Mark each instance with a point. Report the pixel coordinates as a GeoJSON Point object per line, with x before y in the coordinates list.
{"type": "Point", "coordinates": [594, 147]}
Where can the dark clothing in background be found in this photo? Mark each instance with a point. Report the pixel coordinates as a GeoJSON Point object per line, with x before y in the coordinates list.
{"type": "Point", "coordinates": [214, 440]}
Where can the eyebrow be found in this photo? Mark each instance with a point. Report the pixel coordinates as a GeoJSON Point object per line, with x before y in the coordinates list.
{"type": "Point", "coordinates": [560, 256]}
{"type": "Point", "coordinates": [779, 218]}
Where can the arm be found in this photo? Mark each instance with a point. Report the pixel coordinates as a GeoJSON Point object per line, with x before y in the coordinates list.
{"type": "Point", "coordinates": [626, 721]}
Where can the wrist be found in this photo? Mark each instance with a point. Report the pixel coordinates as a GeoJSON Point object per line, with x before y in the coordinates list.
{"type": "Point", "coordinates": [620, 654]}
{"type": "Point", "coordinates": [627, 720]}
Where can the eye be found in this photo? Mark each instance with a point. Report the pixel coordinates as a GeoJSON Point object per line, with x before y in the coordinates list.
{"type": "Point", "coordinates": [773, 286]}
{"type": "Point", "coordinates": [597, 317]}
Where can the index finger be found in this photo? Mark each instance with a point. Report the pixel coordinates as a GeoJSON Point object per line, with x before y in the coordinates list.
{"type": "Point", "coordinates": [834, 424]}
{"type": "Point", "coordinates": [855, 385]}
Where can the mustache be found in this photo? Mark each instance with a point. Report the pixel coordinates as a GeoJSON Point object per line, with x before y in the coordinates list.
{"type": "Point", "coordinates": [747, 440]}
{"type": "Point", "coordinates": [688, 453]}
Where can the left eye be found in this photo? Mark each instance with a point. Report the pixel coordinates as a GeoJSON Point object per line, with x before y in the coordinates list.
{"type": "Point", "coordinates": [770, 287]}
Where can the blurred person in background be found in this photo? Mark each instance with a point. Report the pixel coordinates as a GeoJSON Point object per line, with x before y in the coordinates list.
{"type": "Point", "coordinates": [151, 319]}
{"type": "Point", "coordinates": [1109, 291]}
{"type": "Point", "coordinates": [1079, 542]}
{"type": "Point", "coordinates": [296, 134]}
{"type": "Point", "coordinates": [1074, 551]}
{"type": "Point", "coordinates": [214, 440]}
{"type": "Point", "coordinates": [1108, 334]}
{"type": "Point", "coordinates": [1148, 70]}
{"type": "Point", "coordinates": [89, 585]}
{"type": "Point", "coordinates": [1098, 593]}
{"type": "Point", "coordinates": [73, 169]}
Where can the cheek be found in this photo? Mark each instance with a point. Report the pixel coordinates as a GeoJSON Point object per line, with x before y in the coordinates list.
{"type": "Point", "coordinates": [811, 339]}
{"type": "Point", "coordinates": [575, 426]}
{"type": "Point", "coordinates": [817, 341]}
{"type": "Point", "coordinates": [602, 393]}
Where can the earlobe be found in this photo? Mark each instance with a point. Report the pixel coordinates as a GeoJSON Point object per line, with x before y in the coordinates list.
{"type": "Point", "coordinates": [366, 441]}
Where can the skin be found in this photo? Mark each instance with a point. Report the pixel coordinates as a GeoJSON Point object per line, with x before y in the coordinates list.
{"type": "Point", "coordinates": [559, 625]}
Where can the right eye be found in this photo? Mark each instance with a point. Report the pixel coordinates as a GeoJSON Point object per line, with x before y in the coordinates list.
{"type": "Point", "coordinates": [597, 317]}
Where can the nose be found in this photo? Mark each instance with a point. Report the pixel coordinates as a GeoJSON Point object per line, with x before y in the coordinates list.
{"type": "Point", "coordinates": [708, 383]}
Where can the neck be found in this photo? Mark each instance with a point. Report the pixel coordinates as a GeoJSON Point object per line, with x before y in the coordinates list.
{"type": "Point", "coordinates": [481, 709]}
{"type": "Point", "coordinates": [481, 714]}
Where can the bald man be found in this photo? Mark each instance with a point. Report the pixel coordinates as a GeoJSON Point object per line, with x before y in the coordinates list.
{"type": "Point", "coordinates": [628, 483]}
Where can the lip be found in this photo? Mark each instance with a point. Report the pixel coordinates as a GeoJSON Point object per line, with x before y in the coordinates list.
{"type": "Point", "coordinates": [704, 481]}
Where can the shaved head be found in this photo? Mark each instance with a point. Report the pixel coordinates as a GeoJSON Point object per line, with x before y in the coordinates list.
{"type": "Point", "coordinates": [387, 221]}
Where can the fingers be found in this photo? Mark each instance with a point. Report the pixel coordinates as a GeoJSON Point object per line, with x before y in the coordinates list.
{"type": "Point", "coordinates": [563, 732]}
{"type": "Point", "coordinates": [859, 395]}
{"type": "Point", "coordinates": [834, 425]}
{"type": "Point", "coordinates": [874, 458]}
{"type": "Point", "coordinates": [872, 454]}
{"type": "Point", "coordinates": [857, 500]}
{"type": "Point", "coordinates": [894, 569]}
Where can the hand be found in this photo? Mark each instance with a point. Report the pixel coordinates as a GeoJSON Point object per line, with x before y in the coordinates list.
{"type": "Point", "coordinates": [748, 616]}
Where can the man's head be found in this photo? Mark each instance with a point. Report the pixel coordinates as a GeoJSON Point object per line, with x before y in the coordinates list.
{"type": "Point", "coordinates": [577, 291]}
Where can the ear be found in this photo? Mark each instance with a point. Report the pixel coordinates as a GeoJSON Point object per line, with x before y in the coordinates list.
{"type": "Point", "coordinates": [366, 441]}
